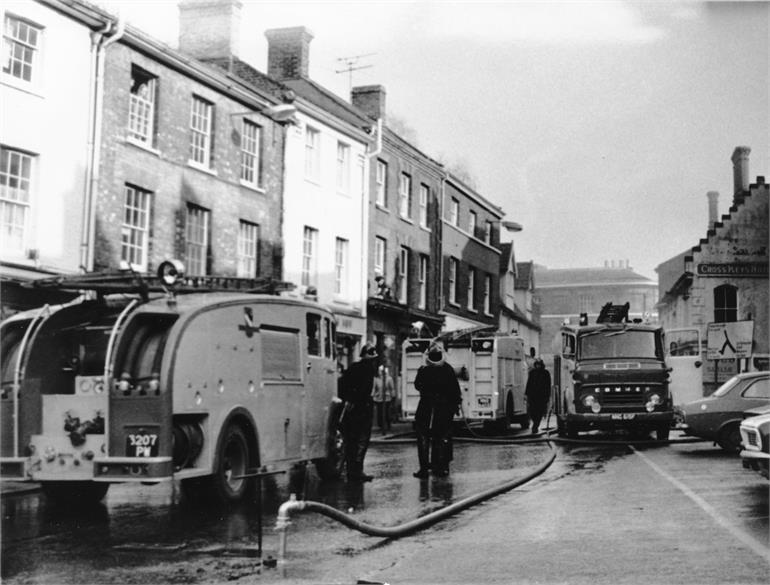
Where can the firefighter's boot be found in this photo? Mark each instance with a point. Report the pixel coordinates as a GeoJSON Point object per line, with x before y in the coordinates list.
{"type": "Point", "coordinates": [423, 455]}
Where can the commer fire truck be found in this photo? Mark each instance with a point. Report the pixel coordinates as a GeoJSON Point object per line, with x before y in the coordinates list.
{"type": "Point", "coordinates": [491, 370]}
{"type": "Point", "coordinates": [612, 374]}
{"type": "Point", "coordinates": [160, 378]}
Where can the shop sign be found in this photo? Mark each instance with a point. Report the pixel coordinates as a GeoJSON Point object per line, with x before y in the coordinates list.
{"type": "Point", "coordinates": [734, 269]}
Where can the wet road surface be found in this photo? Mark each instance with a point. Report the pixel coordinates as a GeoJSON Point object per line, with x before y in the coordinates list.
{"type": "Point", "coordinates": [600, 514]}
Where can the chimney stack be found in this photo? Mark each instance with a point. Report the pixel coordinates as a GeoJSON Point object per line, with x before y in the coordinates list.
{"type": "Point", "coordinates": [713, 197]}
{"type": "Point", "coordinates": [209, 29]}
{"type": "Point", "coordinates": [288, 52]}
{"type": "Point", "coordinates": [370, 99]}
{"type": "Point", "coordinates": [740, 160]}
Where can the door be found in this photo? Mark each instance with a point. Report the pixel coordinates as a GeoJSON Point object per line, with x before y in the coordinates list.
{"type": "Point", "coordinates": [684, 356]}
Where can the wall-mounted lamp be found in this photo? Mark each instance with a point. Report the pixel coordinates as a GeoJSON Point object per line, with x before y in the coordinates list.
{"type": "Point", "coordinates": [281, 112]}
{"type": "Point", "coordinates": [512, 226]}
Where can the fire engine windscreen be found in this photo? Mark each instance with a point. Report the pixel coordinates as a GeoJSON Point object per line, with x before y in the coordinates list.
{"type": "Point", "coordinates": [618, 344]}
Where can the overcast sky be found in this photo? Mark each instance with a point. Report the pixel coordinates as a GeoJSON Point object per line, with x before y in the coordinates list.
{"type": "Point", "coordinates": [598, 126]}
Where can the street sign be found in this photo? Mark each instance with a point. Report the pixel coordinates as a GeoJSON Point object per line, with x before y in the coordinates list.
{"type": "Point", "coordinates": [729, 340]}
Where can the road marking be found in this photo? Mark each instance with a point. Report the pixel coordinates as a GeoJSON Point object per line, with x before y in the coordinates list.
{"type": "Point", "coordinates": [746, 539]}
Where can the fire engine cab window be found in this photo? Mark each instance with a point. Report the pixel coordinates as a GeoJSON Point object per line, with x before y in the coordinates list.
{"type": "Point", "coordinates": [618, 344]}
{"type": "Point", "coordinates": [313, 334]}
{"type": "Point", "coordinates": [280, 354]}
{"type": "Point", "coordinates": [568, 344]}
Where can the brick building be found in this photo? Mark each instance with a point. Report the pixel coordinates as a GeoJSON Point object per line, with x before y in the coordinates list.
{"type": "Point", "coordinates": [404, 191]}
{"type": "Point", "coordinates": [724, 278]}
{"type": "Point", "coordinates": [191, 166]}
{"type": "Point", "coordinates": [565, 293]}
{"type": "Point", "coordinates": [470, 257]}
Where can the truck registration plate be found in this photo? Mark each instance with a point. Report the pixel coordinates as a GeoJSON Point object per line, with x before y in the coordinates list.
{"type": "Point", "coordinates": [142, 445]}
{"type": "Point", "coordinates": [624, 416]}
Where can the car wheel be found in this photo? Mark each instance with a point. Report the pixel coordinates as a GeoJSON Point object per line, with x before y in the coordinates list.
{"type": "Point", "coordinates": [730, 438]}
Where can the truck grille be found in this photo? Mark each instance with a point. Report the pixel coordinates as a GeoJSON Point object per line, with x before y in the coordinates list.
{"type": "Point", "coordinates": [625, 395]}
{"type": "Point", "coordinates": [752, 439]}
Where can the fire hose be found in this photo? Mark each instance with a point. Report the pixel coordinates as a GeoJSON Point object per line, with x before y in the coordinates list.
{"type": "Point", "coordinates": [293, 505]}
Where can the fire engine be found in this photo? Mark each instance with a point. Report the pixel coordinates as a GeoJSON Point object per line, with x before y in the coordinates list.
{"type": "Point", "coordinates": [153, 378]}
{"type": "Point", "coordinates": [491, 370]}
{"type": "Point", "coordinates": [612, 374]}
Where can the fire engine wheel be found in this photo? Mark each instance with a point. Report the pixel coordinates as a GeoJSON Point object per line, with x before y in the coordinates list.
{"type": "Point", "coordinates": [730, 438]}
{"type": "Point", "coordinates": [74, 493]}
{"type": "Point", "coordinates": [232, 462]}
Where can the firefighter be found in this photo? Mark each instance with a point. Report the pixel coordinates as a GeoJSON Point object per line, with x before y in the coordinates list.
{"type": "Point", "coordinates": [538, 392]}
{"type": "Point", "coordinates": [356, 390]}
{"type": "Point", "coordinates": [440, 399]}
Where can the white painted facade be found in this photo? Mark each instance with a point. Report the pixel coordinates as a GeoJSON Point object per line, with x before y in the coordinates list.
{"type": "Point", "coordinates": [46, 118]}
{"type": "Point", "coordinates": [335, 212]}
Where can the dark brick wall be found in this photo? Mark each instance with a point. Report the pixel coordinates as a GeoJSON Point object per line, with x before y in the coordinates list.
{"type": "Point", "coordinates": [165, 172]}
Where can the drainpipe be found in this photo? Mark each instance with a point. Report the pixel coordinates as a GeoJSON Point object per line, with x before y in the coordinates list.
{"type": "Point", "coordinates": [440, 224]}
{"type": "Point", "coordinates": [100, 40]}
{"type": "Point", "coordinates": [365, 223]}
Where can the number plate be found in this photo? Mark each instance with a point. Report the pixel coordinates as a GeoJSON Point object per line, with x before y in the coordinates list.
{"type": "Point", "coordinates": [142, 445]}
{"type": "Point", "coordinates": [624, 416]}
{"type": "Point", "coordinates": [484, 402]}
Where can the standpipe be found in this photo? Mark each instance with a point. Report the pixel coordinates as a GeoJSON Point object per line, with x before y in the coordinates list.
{"type": "Point", "coordinates": [293, 505]}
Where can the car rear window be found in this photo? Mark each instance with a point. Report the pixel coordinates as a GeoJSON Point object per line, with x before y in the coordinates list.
{"type": "Point", "coordinates": [758, 389]}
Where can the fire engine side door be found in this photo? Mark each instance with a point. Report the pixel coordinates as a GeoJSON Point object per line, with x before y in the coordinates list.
{"type": "Point", "coordinates": [320, 384]}
{"type": "Point", "coordinates": [684, 356]}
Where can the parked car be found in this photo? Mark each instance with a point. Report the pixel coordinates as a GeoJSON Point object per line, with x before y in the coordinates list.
{"type": "Point", "coordinates": [755, 440]}
{"type": "Point", "coordinates": [718, 417]}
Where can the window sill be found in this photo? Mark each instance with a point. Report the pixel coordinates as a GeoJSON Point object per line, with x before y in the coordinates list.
{"type": "Point", "coordinates": [382, 208]}
{"type": "Point", "coordinates": [253, 187]}
{"type": "Point", "coordinates": [315, 181]}
{"type": "Point", "coordinates": [25, 86]}
{"type": "Point", "coordinates": [454, 304]}
{"type": "Point", "coordinates": [142, 146]}
{"type": "Point", "coordinates": [199, 167]}
{"type": "Point", "coordinates": [471, 310]}
{"type": "Point", "coordinates": [408, 220]}
{"type": "Point", "coordinates": [341, 301]}
{"type": "Point", "coordinates": [426, 229]}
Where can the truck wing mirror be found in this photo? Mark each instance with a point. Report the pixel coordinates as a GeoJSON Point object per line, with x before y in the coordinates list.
{"type": "Point", "coordinates": [698, 364]}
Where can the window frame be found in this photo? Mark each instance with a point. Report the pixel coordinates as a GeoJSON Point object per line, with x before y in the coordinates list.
{"type": "Point", "coordinates": [487, 294]}
{"type": "Point", "coordinates": [33, 50]}
{"type": "Point", "coordinates": [422, 301]}
{"type": "Point", "coordinates": [473, 219]}
{"type": "Point", "coordinates": [452, 279]}
{"type": "Point", "coordinates": [423, 205]}
{"type": "Point", "coordinates": [136, 229]}
{"type": "Point", "coordinates": [403, 275]}
{"type": "Point", "coordinates": [22, 203]}
{"type": "Point", "coordinates": [381, 183]}
{"type": "Point", "coordinates": [201, 132]}
{"type": "Point", "coordinates": [251, 154]}
{"type": "Point", "coordinates": [312, 154]}
{"type": "Point", "coordinates": [488, 232]}
{"type": "Point", "coordinates": [193, 246]}
{"type": "Point", "coordinates": [309, 276]}
{"type": "Point", "coordinates": [405, 196]}
{"type": "Point", "coordinates": [380, 255]}
{"type": "Point", "coordinates": [724, 312]}
{"type": "Point", "coordinates": [248, 243]}
{"type": "Point", "coordinates": [341, 255]}
{"type": "Point", "coordinates": [471, 290]}
{"type": "Point", "coordinates": [142, 109]}
{"type": "Point", "coordinates": [343, 167]}
{"type": "Point", "coordinates": [454, 212]}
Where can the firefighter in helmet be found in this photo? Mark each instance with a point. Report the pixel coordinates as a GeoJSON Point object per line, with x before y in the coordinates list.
{"type": "Point", "coordinates": [356, 390]}
{"type": "Point", "coordinates": [440, 398]}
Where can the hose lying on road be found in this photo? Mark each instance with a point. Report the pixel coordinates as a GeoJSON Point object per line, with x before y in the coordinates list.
{"type": "Point", "coordinates": [293, 505]}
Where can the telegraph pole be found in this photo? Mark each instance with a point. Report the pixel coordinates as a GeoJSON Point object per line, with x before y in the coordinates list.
{"type": "Point", "coordinates": [351, 64]}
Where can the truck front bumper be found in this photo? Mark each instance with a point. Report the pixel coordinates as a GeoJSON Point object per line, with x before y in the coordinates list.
{"type": "Point", "coordinates": [611, 420]}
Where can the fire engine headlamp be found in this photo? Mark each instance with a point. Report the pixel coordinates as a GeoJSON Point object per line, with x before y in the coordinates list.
{"type": "Point", "coordinates": [49, 454]}
{"type": "Point", "coordinates": [589, 400]}
{"type": "Point", "coordinates": [596, 407]}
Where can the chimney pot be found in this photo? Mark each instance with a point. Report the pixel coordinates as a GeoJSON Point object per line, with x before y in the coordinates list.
{"type": "Point", "coordinates": [288, 52]}
{"type": "Point", "coordinates": [740, 160]}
